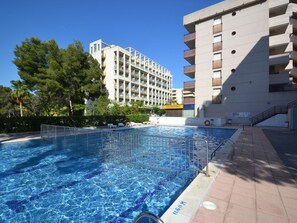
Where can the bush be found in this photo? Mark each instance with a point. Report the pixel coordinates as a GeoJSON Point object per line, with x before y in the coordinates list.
{"type": "Point", "coordinates": [138, 118]}
{"type": "Point", "coordinates": [26, 124]}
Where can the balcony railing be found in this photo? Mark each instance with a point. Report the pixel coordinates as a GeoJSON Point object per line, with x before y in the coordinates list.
{"type": "Point", "coordinates": [188, 101]}
{"type": "Point", "coordinates": [189, 40]}
{"type": "Point", "coordinates": [217, 28]}
{"type": "Point", "coordinates": [217, 46]}
{"type": "Point", "coordinates": [189, 85]}
{"type": "Point", "coordinates": [189, 71]}
{"type": "Point", "coordinates": [189, 53]}
{"type": "Point", "coordinates": [217, 81]}
{"type": "Point", "coordinates": [217, 64]}
{"type": "Point", "coordinates": [217, 99]}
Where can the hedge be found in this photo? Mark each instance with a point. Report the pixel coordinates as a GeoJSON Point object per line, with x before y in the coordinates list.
{"type": "Point", "coordinates": [27, 124]}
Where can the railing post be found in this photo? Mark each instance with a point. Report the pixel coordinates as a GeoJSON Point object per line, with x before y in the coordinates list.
{"type": "Point", "coordinates": [207, 158]}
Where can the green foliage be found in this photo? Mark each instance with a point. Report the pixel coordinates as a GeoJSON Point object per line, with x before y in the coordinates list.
{"type": "Point", "coordinates": [139, 118]}
{"type": "Point", "coordinates": [6, 106]}
{"type": "Point", "coordinates": [25, 124]}
{"type": "Point", "coordinates": [57, 76]}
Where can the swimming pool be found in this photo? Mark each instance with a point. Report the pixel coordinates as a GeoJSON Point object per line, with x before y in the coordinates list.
{"type": "Point", "coordinates": [49, 182]}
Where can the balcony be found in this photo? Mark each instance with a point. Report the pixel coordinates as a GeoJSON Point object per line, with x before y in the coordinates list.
{"type": "Point", "coordinates": [189, 40]}
{"type": "Point", "coordinates": [217, 46]}
{"type": "Point", "coordinates": [217, 28]}
{"type": "Point", "coordinates": [217, 99]}
{"type": "Point", "coordinates": [217, 64]}
{"type": "Point", "coordinates": [216, 81]}
{"type": "Point", "coordinates": [189, 55]}
{"type": "Point", "coordinates": [190, 71]}
{"type": "Point", "coordinates": [188, 101]}
{"type": "Point", "coordinates": [189, 85]}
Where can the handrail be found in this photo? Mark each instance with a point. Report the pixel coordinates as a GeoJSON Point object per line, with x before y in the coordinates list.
{"type": "Point", "coordinates": [212, 155]}
{"type": "Point", "coordinates": [280, 109]}
{"type": "Point", "coordinates": [149, 215]}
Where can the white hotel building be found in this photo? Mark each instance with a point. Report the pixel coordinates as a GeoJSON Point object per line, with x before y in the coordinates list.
{"type": "Point", "coordinates": [130, 76]}
{"type": "Point", "coordinates": [242, 55]}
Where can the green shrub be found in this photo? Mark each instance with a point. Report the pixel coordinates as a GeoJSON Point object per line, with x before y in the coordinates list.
{"type": "Point", "coordinates": [138, 118]}
{"type": "Point", "coordinates": [26, 124]}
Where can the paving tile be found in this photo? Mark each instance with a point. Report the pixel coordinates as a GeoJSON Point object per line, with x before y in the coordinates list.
{"type": "Point", "coordinates": [206, 216]}
{"type": "Point", "coordinates": [251, 193]}
{"type": "Point", "coordinates": [292, 214]}
{"type": "Point", "coordinates": [290, 203]}
{"type": "Point", "coordinates": [270, 204]}
{"type": "Point", "coordinates": [218, 193]}
{"type": "Point", "coordinates": [242, 200]}
{"type": "Point", "coordinates": [267, 187]}
{"type": "Point", "coordinates": [221, 205]}
{"type": "Point", "coordinates": [268, 218]}
{"type": "Point", "coordinates": [289, 192]}
{"type": "Point", "coordinates": [241, 214]}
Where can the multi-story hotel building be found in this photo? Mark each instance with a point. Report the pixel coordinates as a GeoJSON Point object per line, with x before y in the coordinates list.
{"type": "Point", "coordinates": [130, 76]}
{"type": "Point", "coordinates": [243, 58]}
{"type": "Point", "coordinates": [177, 95]}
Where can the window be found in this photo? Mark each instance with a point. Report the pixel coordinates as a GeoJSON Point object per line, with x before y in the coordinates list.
{"type": "Point", "coordinates": [217, 38]}
{"type": "Point", "coordinates": [91, 49]}
{"type": "Point", "coordinates": [216, 92]}
{"type": "Point", "coordinates": [95, 47]}
{"type": "Point", "coordinates": [217, 74]}
{"type": "Point", "coordinates": [217, 56]}
{"type": "Point", "coordinates": [217, 21]}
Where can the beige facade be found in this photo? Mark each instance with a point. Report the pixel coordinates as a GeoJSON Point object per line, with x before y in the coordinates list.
{"type": "Point", "coordinates": [130, 76]}
{"type": "Point", "coordinates": [242, 57]}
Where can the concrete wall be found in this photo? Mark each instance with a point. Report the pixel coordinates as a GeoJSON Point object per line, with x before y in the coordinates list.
{"type": "Point", "coordinates": [251, 61]}
{"type": "Point", "coordinates": [181, 121]}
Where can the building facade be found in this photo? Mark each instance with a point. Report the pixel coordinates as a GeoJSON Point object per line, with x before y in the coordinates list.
{"type": "Point", "coordinates": [177, 95]}
{"type": "Point", "coordinates": [242, 57]}
{"type": "Point", "coordinates": [130, 76]}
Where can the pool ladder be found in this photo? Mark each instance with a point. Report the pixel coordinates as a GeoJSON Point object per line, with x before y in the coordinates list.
{"type": "Point", "coordinates": [148, 215]}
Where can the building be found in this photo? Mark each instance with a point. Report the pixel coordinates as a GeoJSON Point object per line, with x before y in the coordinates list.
{"type": "Point", "coordinates": [130, 76]}
{"type": "Point", "coordinates": [177, 95]}
{"type": "Point", "coordinates": [189, 99]}
{"type": "Point", "coordinates": [242, 57]}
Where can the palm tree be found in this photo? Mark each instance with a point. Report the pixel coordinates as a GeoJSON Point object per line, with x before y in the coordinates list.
{"type": "Point", "coordinates": [19, 93]}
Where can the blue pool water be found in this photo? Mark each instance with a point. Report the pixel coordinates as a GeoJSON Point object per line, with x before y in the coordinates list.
{"type": "Point", "coordinates": [47, 182]}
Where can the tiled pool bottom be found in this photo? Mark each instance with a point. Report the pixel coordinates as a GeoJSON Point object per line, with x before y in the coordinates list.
{"type": "Point", "coordinates": [39, 182]}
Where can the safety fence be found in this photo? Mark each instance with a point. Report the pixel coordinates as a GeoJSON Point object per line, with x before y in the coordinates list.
{"type": "Point", "coordinates": [172, 155]}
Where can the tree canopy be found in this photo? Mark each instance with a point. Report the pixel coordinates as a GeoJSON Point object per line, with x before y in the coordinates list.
{"type": "Point", "coordinates": [59, 77]}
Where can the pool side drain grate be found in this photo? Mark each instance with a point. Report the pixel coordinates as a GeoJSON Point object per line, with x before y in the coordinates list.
{"type": "Point", "coordinates": [209, 205]}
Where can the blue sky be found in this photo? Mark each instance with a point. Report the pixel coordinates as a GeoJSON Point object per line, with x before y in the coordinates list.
{"type": "Point", "coordinates": [153, 27]}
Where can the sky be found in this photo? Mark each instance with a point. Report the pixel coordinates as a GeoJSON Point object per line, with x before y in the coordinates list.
{"type": "Point", "coordinates": [153, 27]}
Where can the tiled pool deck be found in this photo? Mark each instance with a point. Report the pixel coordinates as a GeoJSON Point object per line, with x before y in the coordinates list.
{"type": "Point", "coordinates": [255, 186]}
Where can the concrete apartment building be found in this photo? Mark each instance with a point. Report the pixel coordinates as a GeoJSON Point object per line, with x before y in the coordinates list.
{"type": "Point", "coordinates": [177, 95]}
{"type": "Point", "coordinates": [130, 76]}
{"type": "Point", "coordinates": [242, 57]}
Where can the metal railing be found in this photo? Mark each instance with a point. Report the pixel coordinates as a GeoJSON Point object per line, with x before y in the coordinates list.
{"type": "Point", "coordinates": [282, 109]}
{"type": "Point", "coordinates": [148, 215]}
{"type": "Point", "coordinates": [173, 156]}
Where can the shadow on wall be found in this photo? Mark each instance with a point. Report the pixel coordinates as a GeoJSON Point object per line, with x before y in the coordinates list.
{"type": "Point", "coordinates": [245, 92]}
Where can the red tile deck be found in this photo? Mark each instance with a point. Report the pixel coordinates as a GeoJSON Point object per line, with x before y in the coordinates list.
{"type": "Point", "coordinates": [256, 187]}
